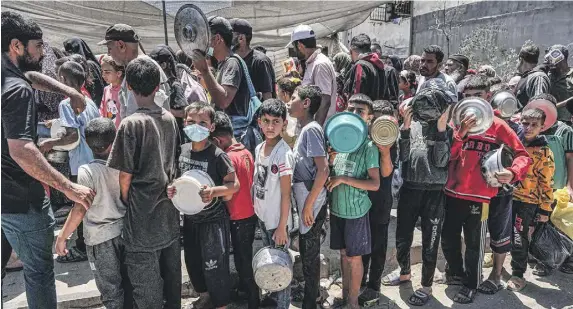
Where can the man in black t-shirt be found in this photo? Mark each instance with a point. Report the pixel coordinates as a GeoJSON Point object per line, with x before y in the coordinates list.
{"type": "Point", "coordinates": [260, 66]}
{"type": "Point", "coordinates": [27, 218]}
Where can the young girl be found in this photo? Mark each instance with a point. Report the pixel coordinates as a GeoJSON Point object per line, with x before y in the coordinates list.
{"type": "Point", "coordinates": [285, 88]}
{"type": "Point", "coordinates": [407, 85]}
{"type": "Point", "coordinates": [113, 75]}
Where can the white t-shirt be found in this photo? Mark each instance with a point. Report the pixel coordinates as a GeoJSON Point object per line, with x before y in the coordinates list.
{"type": "Point", "coordinates": [267, 184]}
{"type": "Point", "coordinates": [104, 220]}
{"type": "Point", "coordinates": [128, 105]}
{"type": "Point", "coordinates": [320, 72]}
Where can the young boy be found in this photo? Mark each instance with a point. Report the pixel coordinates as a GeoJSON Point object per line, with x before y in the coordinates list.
{"type": "Point", "coordinates": [113, 75]}
{"type": "Point", "coordinates": [274, 162]}
{"type": "Point", "coordinates": [532, 195]}
{"type": "Point", "coordinates": [103, 221]}
{"type": "Point", "coordinates": [379, 219]}
{"type": "Point", "coordinates": [144, 152]}
{"type": "Point", "coordinates": [240, 206]}
{"type": "Point", "coordinates": [206, 234]}
{"type": "Point", "coordinates": [468, 199]}
{"type": "Point", "coordinates": [352, 176]}
{"type": "Point", "coordinates": [309, 176]}
{"type": "Point", "coordinates": [73, 75]}
{"type": "Point", "coordinates": [424, 153]}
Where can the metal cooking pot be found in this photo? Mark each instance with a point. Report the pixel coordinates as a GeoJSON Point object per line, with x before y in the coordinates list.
{"type": "Point", "coordinates": [57, 156]}
{"type": "Point", "coordinates": [506, 103]}
{"type": "Point", "coordinates": [273, 269]}
{"type": "Point", "coordinates": [495, 161]}
{"type": "Point", "coordinates": [474, 106]}
{"type": "Point", "coordinates": [191, 29]}
{"type": "Point", "coordinates": [385, 130]}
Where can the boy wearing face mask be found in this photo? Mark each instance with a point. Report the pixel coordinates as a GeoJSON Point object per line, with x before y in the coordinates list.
{"type": "Point", "coordinates": [206, 234]}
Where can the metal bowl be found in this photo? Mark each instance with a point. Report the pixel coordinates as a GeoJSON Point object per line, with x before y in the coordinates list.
{"type": "Point", "coordinates": [506, 103]}
{"type": "Point", "coordinates": [385, 130]}
{"type": "Point", "coordinates": [495, 161]}
{"type": "Point", "coordinates": [474, 106]}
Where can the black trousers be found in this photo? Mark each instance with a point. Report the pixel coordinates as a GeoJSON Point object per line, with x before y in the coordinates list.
{"type": "Point", "coordinates": [374, 262]}
{"type": "Point", "coordinates": [523, 216]}
{"type": "Point", "coordinates": [309, 245]}
{"type": "Point", "coordinates": [206, 247]}
{"type": "Point", "coordinates": [429, 206]}
{"type": "Point", "coordinates": [242, 238]}
{"type": "Point", "coordinates": [466, 215]}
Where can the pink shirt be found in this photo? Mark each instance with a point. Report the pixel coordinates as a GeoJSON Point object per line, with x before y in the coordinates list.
{"type": "Point", "coordinates": [109, 107]}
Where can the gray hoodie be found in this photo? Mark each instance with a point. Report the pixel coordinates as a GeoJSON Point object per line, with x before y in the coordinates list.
{"type": "Point", "coordinates": [425, 153]}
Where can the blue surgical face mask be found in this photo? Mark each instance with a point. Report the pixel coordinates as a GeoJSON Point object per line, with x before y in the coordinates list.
{"type": "Point", "coordinates": [196, 133]}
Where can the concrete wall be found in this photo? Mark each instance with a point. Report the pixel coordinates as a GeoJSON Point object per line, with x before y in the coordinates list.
{"type": "Point", "coordinates": [394, 39]}
{"type": "Point", "coordinates": [544, 22]}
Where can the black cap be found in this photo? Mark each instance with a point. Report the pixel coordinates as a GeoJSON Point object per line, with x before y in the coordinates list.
{"type": "Point", "coordinates": [120, 32]}
{"type": "Point", "coordinates": [219, 24]}
{"type": "Point", "coordinates": [241, 26]}
{"type": "Point", "coordinates": [461, 59]}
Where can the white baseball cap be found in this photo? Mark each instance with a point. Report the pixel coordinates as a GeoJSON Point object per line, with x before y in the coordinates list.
{"type": "Point", "coordinates": [301, 32]}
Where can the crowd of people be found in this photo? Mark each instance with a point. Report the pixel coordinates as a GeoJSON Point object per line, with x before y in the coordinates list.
{"type": "Point", "coordinates": [139, 122]}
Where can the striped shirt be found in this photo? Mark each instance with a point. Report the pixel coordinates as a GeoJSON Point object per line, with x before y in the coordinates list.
{"type": "Point", "coordinates": [560, 140]}
{"type": "Point", "coordinates": [348, 202]}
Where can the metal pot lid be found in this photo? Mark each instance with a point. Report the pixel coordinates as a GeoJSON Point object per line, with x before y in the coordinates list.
{"type": "Point", "coordinates": [506, 103]}
{"type": "Point", "coordinates": [474, 106]}
{"type": "Point", "coordinates": [191, 29]}
{"type": "Point", "coordinates": [548, 108]}
{"type": "Point", "coordinates": [496, 161]}
{"type": "Point", "coordinates": [385, 130]}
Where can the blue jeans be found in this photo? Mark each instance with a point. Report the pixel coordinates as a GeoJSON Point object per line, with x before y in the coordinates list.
{"type": "Point", "coordinates": [282, 297]}
{"type": "Point", "coordinates": [32, 236]}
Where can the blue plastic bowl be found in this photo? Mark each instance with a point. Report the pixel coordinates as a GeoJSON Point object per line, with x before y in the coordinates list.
{"type": "Point", "coordinates": [345, 132]}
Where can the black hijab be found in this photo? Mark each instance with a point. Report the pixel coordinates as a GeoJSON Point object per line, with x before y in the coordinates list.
{"type": "Point", "coordinates": [79, 46]}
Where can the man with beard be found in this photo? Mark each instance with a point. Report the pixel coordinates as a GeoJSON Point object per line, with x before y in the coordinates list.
{"type": "Point", "coordinates": [27, 218]}
{"type": "Point", "coordinates": [319, 70]}
{"type": "Point", "coordinates": [533, 81]}
{"type": "Point", "coordinates": [431, 61]}
{"type": "Point", "coordinates": [259, 65]}
{"type": "Point", "coordinates": [561, 77]}
{"type": "Point", "coordinates": [123, 46]}
{"type": "Point", "coordinates": [457, 67]}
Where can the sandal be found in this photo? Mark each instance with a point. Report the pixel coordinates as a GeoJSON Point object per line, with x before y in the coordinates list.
{"type": "Point", "coordinates": [419, 298]}
{"type": "Point", "coordinates": [489, 287]}
{"type": "Point", "coordinates": [333, 302]}
{"type": "Point", "coordinates": [368, 298]}
{"type": "Point", "coordinates": [541, 271]}
{"type": "Point", "coordinates": [393, 279]}
{"type": "Point", "coordinates": [516, 284]}
{"type": "Point", "coordinates": [74, 255]}
{"type": "Point", "coordinates": [465, 296]}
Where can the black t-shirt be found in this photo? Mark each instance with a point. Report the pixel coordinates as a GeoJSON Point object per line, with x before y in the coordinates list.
{"type": "Point", "coordinates": [382, 199]}
{"type": "Point", "coordinates": [231, 74]}
{"type": "Point", "coordinates": [20, 191]}
{"type": "Point", "coordinates": [261, 71]}
{"type": "Point", "coordinates": [217, 164]}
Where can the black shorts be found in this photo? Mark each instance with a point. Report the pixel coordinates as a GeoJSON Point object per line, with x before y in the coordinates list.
{"type": "Point", "coordinates": [499, 223]}
{"type": "Point", "coordinates": [350, 234]}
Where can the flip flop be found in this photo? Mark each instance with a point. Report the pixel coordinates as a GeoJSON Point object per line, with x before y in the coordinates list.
{"type": "Point", "coordinates": [393, 279]}
{"type": "Point", "coordinates": [489, 287]}
{"type": "Point", "coordinates": [368, 298]}
{"type": "Point", "coordinates": [419, 298]}
{"type": "Point", "coordinates": [333, 302]}
{"type": "Point", "coordinates": [541, 271]}
{"type": "Point", "coordinates": [465, 296]}
{"type": "Point", "coordinates": [516, 284]}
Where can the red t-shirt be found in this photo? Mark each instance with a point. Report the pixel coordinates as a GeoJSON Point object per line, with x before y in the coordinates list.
{"type": "Point", "coordinates": [241, 205]}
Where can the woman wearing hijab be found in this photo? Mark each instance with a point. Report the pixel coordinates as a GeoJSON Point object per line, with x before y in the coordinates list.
{"type": "Point", "coordinates": [342, 65]}
{"type": "Point", "coordinates": [94, 80]}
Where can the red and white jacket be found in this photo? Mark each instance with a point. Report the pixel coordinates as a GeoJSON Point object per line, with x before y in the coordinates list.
{"type": "Point", "coordinates": [465, 180]}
